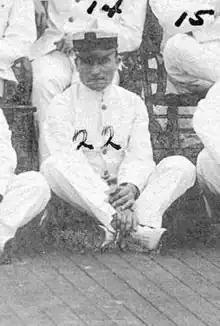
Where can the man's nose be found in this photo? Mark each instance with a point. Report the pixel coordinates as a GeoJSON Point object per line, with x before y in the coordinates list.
{"type": "Point", "coordinates": [95, 69]}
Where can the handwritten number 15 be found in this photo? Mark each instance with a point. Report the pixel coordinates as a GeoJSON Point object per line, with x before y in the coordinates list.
{"type": "Point", "coordinates": [194, 22]}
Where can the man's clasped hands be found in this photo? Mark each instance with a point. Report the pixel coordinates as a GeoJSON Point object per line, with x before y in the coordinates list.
{"type": "Point", "coordinates": [123, 198]}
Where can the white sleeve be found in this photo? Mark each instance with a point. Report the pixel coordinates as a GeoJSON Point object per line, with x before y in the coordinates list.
{"type": "Point", "coordinates": [8, 158]}
{"type": "Point", "coordinates": [138, 163]}
{"type": "Point", "coordinates": [169, 11]}
{"type": "Point", "coordinates": [131, 25]}
{"type": "Point", "coordinates": [20, 33]}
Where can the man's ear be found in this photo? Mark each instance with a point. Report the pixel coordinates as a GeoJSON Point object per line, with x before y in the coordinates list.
{"type": "Point", "coordinates": [77, 63]}
{"type": "Point", "coordinates": [118, 60]}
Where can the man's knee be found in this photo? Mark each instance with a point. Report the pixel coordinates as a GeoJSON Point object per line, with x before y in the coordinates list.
{"type": "Point", "coordinates": [174, 50]}
{"type": "Point", "coordinates": [52, 70]}
{"type": "Point", "coordinates": [47, 166]}
{"type": "Point", "coordinates": [205, 168]}
{"type": "Point", "coordinates": [202, 159]}
{"type": "Point", "coordinates": [179, 162]}
{"type": "Point", "coordinates": [36, 182]}
{"type": "Point", "coordinates": [37, 179]}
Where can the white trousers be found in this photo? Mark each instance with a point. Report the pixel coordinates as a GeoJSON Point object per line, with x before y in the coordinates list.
{"type": "Point", "coordinates": [171, 178]}
{"type": "Point", "coordinates": [208, 171]}
{"type": "Point", "coordinates": [52, 74]}
{"type": "Point", "coordinates": [192, 66]}
{"type": "Point", "coordinates": [26, 196]}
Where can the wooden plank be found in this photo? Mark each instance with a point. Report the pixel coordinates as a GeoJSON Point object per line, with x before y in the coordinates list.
{"type": "Point", "coordinates": [9, 293]}
{"type": "Point", "coordinates": [64, 268]}
{"type": "Point", "coordinates": [189, 277]}
{"type": "Point", "coordinates": [29, 297]}
{"type": "Point", "coordinates": [47, 270]}
{"type": "Point", "coordinates": [212, 257]}
{"type": "Point", "coordinates": [9, 320]}
{"type": "Point", "coordinates": [114, 309]}
{"type": "Point", "coordinates": [162, 270]}
{"type": "Point", "coordinates": [211, 254]}
{"type": "Point", "coordinates": [152, 304]}
{"type": "Point", "coordinates": [7, 316]}
{"type": "Point", "coordinates": [202, 306]}
{"type": "Point", "coordinates": [60, 314]}
{"type": "Point", "coordinates": [120, 291]}
{"type": "Point", "coordinates": [161, 296]}
{"type": "Point", "coordinates": [201, 265]}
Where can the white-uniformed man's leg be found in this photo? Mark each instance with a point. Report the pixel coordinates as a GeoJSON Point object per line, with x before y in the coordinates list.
{"type": "Point", "coordinates": [208, 173]}
{"type": "Point", "coordinates": [170, 180]}
{"type": "Point", "coordinates": [26, 196]}
{"type": "Point", "coordinates": [192, 66]}
{"type": "Point", "coordinates": [73, 186]}
{"type": "Point", "coordinates": [52, 74]}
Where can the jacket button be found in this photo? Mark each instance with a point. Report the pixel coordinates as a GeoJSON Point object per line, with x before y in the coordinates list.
{"type": "Point", "coordinates": [104, 107]}
{"type": "Point", "coordinates": [104, 151]}
{"type": "Point", "coordinates": [71, 19]}
{"type": "Point", "coordinates": [105, 174]}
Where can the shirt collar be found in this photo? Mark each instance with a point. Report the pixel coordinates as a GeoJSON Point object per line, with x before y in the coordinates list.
{"type": "Point", "coordinates": [84, 90]}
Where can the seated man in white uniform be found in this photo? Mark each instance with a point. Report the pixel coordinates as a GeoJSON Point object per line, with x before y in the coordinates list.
{"type": "Point", "coordinates": [96, 131]}
{"type": "Point", "coordinates": [207, 126]}
{"type": "Point", "coordinates": [53, 65]}
{"type": "Point", "coordinates": [192, 51]}
{"type": "Point", "coordinates": [23, 196]}
{"type": "Point", "coordinates": [17, 33]}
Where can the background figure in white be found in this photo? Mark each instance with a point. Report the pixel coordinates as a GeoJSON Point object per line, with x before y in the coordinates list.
{"type": "Point", "coordinates": [17, 33]}
{"type": "Point", "coordinates": [22, 196]}
{"type": "Point", "coordinates": [207, 124]}
{"type": "Point", "coordinates": [79, 175]}
{"type": "Point", "coordinates": [192, 52]}
{"type": "Point", "coordinates": [53, 66]}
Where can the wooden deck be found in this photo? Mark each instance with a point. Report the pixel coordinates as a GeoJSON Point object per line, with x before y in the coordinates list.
{"type": "Point", "coordinates": [63, 288]}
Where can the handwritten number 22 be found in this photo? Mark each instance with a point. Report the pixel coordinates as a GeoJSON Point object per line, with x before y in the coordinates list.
{"type": "Point", "coordinates": [109, 141]}
{"type": "Point", "coordinates": [111, 11]}
{"type": "Point", "coordinates": [90, 146]}
{"type": "Point", "coordinates": [198, 22]}
{"type": "Point", "coordinates": [83, 142]}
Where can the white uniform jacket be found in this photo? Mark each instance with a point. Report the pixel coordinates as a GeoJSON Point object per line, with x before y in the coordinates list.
{"type": "Point", "coordinates": [8, 158]}
{"type": "Point", "coordinates": [117, 113]}
{"type": "Point", "coordinates": [168, 12]}
{"type": "Point", "coordinates": [206, 122]}
{"type": "Point", "coordinates": [130, 22]}
{"type": "Point", "coordinates": [17, 33]}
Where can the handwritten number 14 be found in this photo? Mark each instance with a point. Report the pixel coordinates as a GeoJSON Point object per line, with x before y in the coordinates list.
{"type": "Point", "coordinates": [111, 11]}
{"type": "Point", "coordinates": [194, 22]}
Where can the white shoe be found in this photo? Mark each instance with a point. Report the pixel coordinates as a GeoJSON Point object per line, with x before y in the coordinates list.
{"type": "Point", "coordinates": [110, 236]}
{"type": "Point", "coordinates": [147, 236]}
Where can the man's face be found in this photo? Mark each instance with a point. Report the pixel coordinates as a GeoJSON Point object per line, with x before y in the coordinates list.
{"type": "Point", "coordinates": [97, 69]}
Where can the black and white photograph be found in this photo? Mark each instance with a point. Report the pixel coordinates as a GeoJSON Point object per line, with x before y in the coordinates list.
{"type": "Point", "coordinates": [109, 162]}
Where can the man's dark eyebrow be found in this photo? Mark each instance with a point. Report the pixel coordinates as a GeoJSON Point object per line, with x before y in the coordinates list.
{"type": "Point", "coordinates": [106, 56]}
{"type": "Point", "coordinates": [92, 57]}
